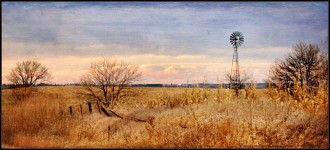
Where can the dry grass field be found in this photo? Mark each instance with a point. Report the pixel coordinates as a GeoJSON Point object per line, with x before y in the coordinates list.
{"type": "Point", "coordinates": [176, 118]}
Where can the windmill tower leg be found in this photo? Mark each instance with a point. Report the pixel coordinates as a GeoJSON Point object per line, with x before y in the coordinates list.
{"type": "Point", "coordinates": [235, 76]}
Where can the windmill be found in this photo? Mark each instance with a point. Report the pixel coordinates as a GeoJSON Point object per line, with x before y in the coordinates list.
{"type": "Point", "coordinates": [236, 39]}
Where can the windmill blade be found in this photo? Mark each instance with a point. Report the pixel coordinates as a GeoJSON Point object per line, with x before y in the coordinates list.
{"type": "Point", "coordinates": [236, 38]}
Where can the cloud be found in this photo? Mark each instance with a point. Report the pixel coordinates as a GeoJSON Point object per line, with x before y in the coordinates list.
{"type": "Point", "coordinates": [167, 69]}
{"type": "Point", "coordinates": [213, 63]}
{"type": "Point", "coordinates": [165, 26]}
{"type": "Point", "coordinates": [172, 41]}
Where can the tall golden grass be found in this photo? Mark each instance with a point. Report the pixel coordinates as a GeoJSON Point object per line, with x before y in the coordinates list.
{"type": "Point", "coordinates": [195, 117]}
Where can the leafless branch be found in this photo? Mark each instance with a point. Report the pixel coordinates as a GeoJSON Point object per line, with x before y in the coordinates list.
{"type": "Point", "coordinates": [107, 78]}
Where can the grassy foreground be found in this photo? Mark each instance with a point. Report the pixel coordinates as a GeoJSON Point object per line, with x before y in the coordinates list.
{"type": "Point", "coordinates": [176, 118]}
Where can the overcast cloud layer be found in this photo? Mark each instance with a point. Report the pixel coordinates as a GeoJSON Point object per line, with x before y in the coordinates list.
{"type": "Point", "coordinates": [172, 41]}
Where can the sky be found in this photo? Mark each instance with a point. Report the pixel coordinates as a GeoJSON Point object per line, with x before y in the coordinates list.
{"type": "Point", "coordinates": [171, 42]}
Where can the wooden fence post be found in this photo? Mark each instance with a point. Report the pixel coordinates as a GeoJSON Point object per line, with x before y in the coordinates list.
{"type": "Point", "coordinates": [81, 109]}
{"type": "Point", "coordinates": [105, 111]}
{"type": "Point", "coordinates": [70, 108]}
{"type": "Point", "coordinates": [108, 132]}
{"type": "Point", "coordinates": [61, 110]}
{"type": "Point", "coordinates": [90, 106]}
{"type": "Point", "coordinates": [98, 106]}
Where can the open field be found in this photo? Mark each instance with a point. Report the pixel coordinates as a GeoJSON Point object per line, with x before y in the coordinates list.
{"type": "Point", "coordinates": [176, 118]}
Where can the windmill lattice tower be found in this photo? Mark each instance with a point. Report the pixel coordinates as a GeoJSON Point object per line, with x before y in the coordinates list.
{"type": "Point", "coordinates": [236, 39]}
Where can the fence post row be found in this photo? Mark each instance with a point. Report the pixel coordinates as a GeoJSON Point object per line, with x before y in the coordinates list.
{"type": "Point", "coordinates": [89, 103]}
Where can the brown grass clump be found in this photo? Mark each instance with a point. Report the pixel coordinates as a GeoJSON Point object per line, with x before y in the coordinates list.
{"type": "Point", "coordinates": [311, 99]}
{"type": "Point", "coordinates": [175, 118]}
{"type": "Point", "coordinates": [39, 114]}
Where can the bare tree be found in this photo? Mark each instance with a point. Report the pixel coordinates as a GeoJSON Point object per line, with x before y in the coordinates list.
{"type": "Point", "coordinates": [303, 64]}
{"type": "Point", "coordinates": [243, 77]}
{"type": "Point", "coordinates": [324, 61]}
{"type": "Point", "coordinates": [28, 73]}
{"type": "Point", "coordinates": [324, 71]}
{"type": "Point", "coordinates": [107, 78]}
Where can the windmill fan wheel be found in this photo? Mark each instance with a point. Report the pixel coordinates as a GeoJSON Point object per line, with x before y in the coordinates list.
{"type": "Point", "coordinates": [236, 39]}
